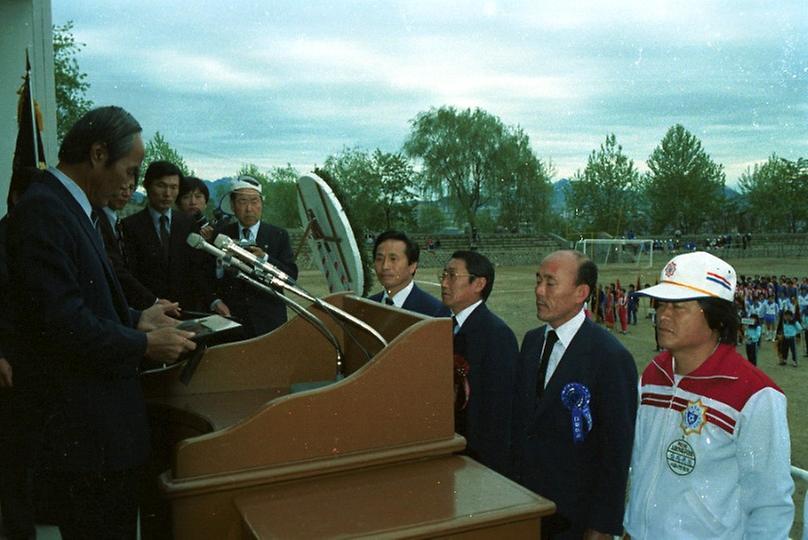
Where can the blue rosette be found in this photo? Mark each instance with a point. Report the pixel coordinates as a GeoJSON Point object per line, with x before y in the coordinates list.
{"type": "Point", "coordinates": [576, 397]}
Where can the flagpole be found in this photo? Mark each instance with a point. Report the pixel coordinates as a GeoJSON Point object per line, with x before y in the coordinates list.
{"type": "Point", "coordinates": [35, 126]}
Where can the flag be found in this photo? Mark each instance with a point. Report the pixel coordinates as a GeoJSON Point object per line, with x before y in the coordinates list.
{"type": "Point", "coordinates": [29, 151]}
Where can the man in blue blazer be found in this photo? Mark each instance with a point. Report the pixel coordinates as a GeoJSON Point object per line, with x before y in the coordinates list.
{"type": "Point", "coordinates": [485, 351]}
{"type": "Point", "coordinates": [395, 259]}
{"type": "Point", "coordinates": [575, 406]}
{"type": "Point", "coordinates": [157, 252]}
{"type": "Point", "coordinates": [257, 311]}
{"type": "Point", "coordinates": [77, 345]}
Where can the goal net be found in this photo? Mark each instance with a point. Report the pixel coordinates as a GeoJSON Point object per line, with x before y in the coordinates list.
{"type": "Point", "coordinates": [635, 252]}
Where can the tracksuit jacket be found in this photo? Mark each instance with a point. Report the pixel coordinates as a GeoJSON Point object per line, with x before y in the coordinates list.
{"type": "Point", "coordinates": [711, 455]}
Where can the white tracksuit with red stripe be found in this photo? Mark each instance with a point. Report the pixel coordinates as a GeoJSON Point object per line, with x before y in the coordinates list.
{"type": "Point", "coordinates": [711, 454]}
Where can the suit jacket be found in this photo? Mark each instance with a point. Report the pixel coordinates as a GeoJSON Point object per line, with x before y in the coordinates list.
{"type": "Point", "coordinates": [490, 348]}
{"type": "Point", "coordinates": [586, 480]}
{"type": "Point", "coordinates": [181, 277]}
{"type": "Point", "coordinates": [258, 311]}
{"type": "Point", "coordinates": [75, 348]}
{"type": "Point", "coordinates": [137, 295]}
{"type": "Point", "coordinates": [421, 302]}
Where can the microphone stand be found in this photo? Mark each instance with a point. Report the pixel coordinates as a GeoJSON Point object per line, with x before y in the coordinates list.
{"type": "Point", "coordinates": [265, 271]}
{"type": "Point", "coordinates": [241, 271]}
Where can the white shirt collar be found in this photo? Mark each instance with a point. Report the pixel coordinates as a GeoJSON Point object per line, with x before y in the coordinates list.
{"type": "Point", "coordinates": [253, 230]}
{"type": "Point", "coordinates": [155, 215]}
{"type": "Point", "coordinates": [401, 296]}
{"type": "Point", "coordinates": [111, 214]}
{"type": "Point", "coordinates": [567, 331]}
{"type": "Point", "coordinates": [464, 314]}
{"type": "Point", "coordinates": [73, 188]}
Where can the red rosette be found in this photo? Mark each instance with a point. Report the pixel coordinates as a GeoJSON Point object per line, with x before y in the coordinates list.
{"type": "Point", "coordinates": [462, 389]}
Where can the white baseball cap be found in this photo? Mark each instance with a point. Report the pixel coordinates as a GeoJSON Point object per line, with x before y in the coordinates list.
{"type": "Point", "coordinates": [694, 275]}
{"type": "Point", "coordinates": [242, 182]}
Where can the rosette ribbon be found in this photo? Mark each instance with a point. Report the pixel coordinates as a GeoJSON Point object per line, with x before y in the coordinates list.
{"type": "Point", "coordinates": [576, 397]}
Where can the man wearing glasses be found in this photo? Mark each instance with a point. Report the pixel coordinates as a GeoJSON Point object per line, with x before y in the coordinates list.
{"type": "Point", "coordinates": [257, 311]}
{"type": "Point", "coordinates": [485, 351]}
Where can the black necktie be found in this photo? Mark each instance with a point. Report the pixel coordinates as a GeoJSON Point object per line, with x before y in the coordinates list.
{"type": "Point", "coordinates": [549, 343]}
{"type": "Point", "coordinates": [455, 326]}
{"type": "Point", "coordinates": [164, 235]}
{"type": "Point", "coordinates": [389, 301]}
{"type": "Point", "coordinates": [119, 234]}
{"type": "Point", "coordinates": [245, 234]}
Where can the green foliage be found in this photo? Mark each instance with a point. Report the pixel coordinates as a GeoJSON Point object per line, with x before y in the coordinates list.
{"type": "Point", "coordinates": [280, 198]}
{"type": "Point", "coordinates": [526, 189]}
{"type": "Point", "coordinates": [71, 83]}
{"type": "Point", "coordinates": [475, 160]}
{"type": "Point", "coordinates": [776, 192]}
{"type": "Point", "coordinates": [158, 149]}
{"type": "Point", "coordinates": [431, 218]}
{"type": "Point", "coordinates": [685, 187]}
{"type": "Point", "coordinates": [380, 187]}
{"type": "Point", "coordinates": [602, 196]}
{"type": "Point", "coordinates": [279, 191]}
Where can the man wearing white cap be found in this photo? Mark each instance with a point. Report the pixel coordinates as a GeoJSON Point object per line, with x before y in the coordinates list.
{"type": "Point", "coordinates": [256, 310]}
{"type": "Point", "coordinates": [711, 455]}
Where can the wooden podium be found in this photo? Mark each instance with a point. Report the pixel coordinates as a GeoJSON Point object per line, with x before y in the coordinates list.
{"type": "Point", "coordinates": [236, 455]}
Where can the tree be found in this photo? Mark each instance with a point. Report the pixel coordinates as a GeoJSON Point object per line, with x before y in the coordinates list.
{"type": "Point", "coordinates": [157, 149]}
{"type": "Point", "coordinates": [600, 197]}
{"type": "Point", "coordinates": [684, 187]}
{"type": "Point", "coordinates": [381, 186]}
{"type": "Point", "coordinates": [475, 160]}
{"type": "Point", "coordinates": [71, 83]}
{"type": "Point", "coordinates": [775, 192]}
{"type": "Point", "coordinates": [526, 191]}
{"type": "Point", "coordinates": [280, 200]}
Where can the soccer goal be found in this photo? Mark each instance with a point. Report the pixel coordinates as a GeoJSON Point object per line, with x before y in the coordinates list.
{"type": "Point", "coordinates": [635, 252]}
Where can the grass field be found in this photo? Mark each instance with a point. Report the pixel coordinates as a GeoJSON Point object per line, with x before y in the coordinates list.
{"type": "Point", "coordinates": [513, 299]}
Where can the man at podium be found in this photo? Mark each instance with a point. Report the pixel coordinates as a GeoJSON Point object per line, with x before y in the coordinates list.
{"type": "Point", "coordinates": [77, 345]}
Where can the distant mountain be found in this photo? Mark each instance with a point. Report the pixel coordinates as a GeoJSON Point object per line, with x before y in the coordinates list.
{"type": "Point", "coordinates": [218, 188]}
{"type": "Point", "coordinates": [559, 199]}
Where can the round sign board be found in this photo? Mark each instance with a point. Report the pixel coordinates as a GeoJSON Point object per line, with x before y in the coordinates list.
{"type": "Point", "coordinates": [329, 235]}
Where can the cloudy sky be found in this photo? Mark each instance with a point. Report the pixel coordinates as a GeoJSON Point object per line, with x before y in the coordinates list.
{"type": "Point", "coordinates": [275, 82]}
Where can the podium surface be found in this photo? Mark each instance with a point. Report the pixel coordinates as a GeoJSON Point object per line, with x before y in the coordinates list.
{"type": "Point", "coordinates": [237, 455]}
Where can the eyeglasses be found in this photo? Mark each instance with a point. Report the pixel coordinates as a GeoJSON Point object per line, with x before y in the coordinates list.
{"type": "Point", "coordinates": [451, 276]}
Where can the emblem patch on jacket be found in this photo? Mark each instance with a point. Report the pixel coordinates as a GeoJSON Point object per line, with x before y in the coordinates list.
{"type": "Point", "coordinates": [693, 417]}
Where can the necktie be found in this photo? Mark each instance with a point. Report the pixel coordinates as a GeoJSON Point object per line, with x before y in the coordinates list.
{"type": "Point", "coordinates": [455, 326]}
{"type": "Point", "coordinates": [119, 234]}
{"type": "Point", "coordinates": [245, 234]}
{"type": "Point", "coordinates": [164, 235]}
{"type": "Point", "coordinates": [549, 343]}
{"type": "Point", "coordinates": [389, 301]}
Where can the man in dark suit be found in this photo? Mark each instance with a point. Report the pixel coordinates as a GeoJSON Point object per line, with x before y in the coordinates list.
{"type": "Point", "coordinates": [77, 345]}
{"type": "Point", "coordinates": [137, 295]}
{"type": "Point", "coordinates": [485, 353]}
{"type": "Point", "coordinates": [156, 247]}
{"type": "Point", "coordinates": [575, 406]}
{"type": "Point", "coordinates": [257, 311]}
{"type": "Point", "coordinates": [396, 261]}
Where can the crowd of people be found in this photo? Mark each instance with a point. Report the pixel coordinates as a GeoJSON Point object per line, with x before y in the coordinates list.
{"type": "Point", "coordinates": [702, 433]}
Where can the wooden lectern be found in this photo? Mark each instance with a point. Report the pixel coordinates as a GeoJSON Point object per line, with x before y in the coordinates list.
{"type": "Point", "coordinates": [372, 455]}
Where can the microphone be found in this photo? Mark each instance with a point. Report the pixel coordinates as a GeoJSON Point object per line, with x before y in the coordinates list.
{"type": "Point", "coordinates": [196, 241]}
{"type": "Point", "coordinates": [226, 243]}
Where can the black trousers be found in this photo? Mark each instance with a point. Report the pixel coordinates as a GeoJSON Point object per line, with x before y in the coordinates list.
{"type": "Point", "coordinates": [98, 505]}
